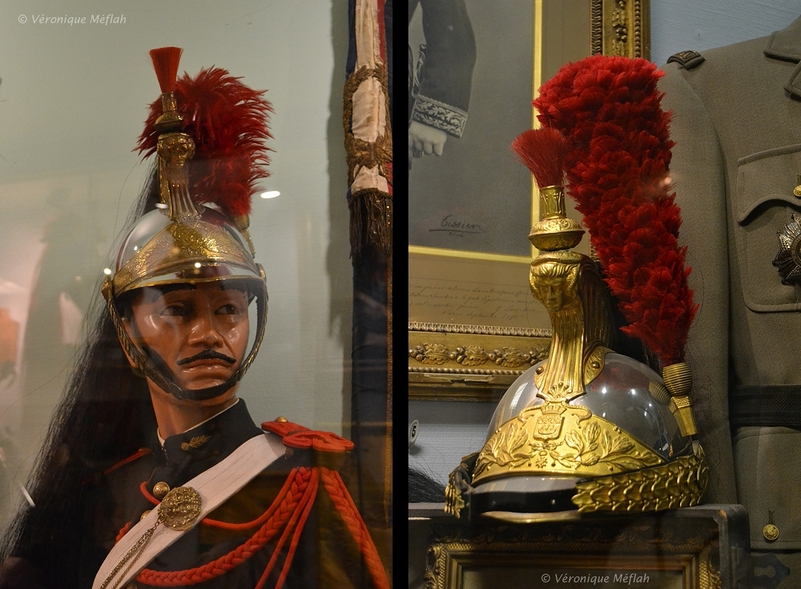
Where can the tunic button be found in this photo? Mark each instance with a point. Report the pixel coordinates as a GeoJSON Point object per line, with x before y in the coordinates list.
{"type": "Point", "coordinates": [771, 532]}
{"type": "Point", "coordinates": [144, 514]}
{"type": "Point", "coordinates": [281, 419]}
{"type": "Point", "coordinates": [160, 489]}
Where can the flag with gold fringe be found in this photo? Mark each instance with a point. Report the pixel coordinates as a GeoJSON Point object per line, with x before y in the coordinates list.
{"type": "Point", "coordinates": [368, 143]}
{"type": "Point", "coordinates": [368, 135]}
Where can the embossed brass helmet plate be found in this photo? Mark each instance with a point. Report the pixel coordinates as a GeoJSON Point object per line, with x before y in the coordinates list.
{"type": "Point", "coordinates": [558, 438]}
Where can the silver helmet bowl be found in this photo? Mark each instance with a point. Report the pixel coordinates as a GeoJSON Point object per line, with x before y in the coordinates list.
{"type": "Point", "coordinates": [626, 393]}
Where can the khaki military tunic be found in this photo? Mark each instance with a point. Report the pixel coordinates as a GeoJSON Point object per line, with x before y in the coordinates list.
{"type": "Point", "coordinates": [737, 128]}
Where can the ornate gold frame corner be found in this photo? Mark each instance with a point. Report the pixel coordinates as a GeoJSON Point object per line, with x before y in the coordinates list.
{"type": "Point", "coordinates": [621, 27]}
{"type": "Point", "coordinates": [470, 362]}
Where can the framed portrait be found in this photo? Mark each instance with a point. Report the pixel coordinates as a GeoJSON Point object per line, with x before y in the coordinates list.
{"type": "Point", "coordinates": [474, 326]}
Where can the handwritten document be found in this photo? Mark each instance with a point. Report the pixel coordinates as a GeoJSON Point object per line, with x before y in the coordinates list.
{"type": "Point", "coordinates": [472, 291]}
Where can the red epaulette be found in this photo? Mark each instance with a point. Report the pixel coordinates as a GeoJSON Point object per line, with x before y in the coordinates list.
{"type": "Point", "coordinates": [135, 456]}
{"type": "Point", "coordinates": [297, 436]}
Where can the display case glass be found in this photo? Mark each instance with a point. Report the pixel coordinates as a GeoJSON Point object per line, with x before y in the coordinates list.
{"type": "Point", "coordinates": [76, 85]}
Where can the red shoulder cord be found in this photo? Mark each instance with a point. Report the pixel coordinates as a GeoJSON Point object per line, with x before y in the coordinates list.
{"type": "Point", "coordinates": [289, 512]}
{"type": "Point", "coordinates": [350, 514]}
{"type": "Point", "coordinates": [295, 499]}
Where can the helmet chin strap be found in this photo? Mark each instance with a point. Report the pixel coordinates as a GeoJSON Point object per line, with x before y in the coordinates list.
{"type": "Point", "coordinates": [156, 370]}
{"type": "Point", "coordinates": [154, 367]}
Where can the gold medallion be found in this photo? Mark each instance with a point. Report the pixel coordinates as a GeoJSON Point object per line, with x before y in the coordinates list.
{"type": "Point", "coordinates": [180, 508]}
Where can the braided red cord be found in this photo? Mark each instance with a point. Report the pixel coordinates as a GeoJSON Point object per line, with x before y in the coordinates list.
{"type": "Point", "coordinates": [285, 511]}
{"type": "Point", "coordinates": [303, 510]}
{"type": "Point", "coordinates": [214, 523]}
{"type": "Point", "coordinates": [350, 514]}
{"type": "Point", "coordinates": [123, 530]}
{"type": "Point", "coordinates": [274, 556]}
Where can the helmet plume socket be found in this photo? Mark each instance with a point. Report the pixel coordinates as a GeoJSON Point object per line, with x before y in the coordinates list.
{"type": "Point", "coordinates": [165, 63]}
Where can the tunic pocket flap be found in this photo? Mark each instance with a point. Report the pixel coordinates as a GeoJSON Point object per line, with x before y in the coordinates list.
{"type": "Point", "coordinates": [766, 176]}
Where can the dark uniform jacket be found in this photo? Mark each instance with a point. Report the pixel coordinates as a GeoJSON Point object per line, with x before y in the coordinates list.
{"type": "Point", "coordinates": [439, 84]}
{"type": "Point", "coordinates": [326, 553]}
{"type": "Point", "coordinates": [737, 128]}
{"type": "Point", "coordinates": [260, 526]}
{"type": "Point", "coordinates": [220, 553]}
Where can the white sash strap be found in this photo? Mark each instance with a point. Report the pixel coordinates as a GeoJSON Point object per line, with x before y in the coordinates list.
{"type": "Point", "coordinates": [214, 486]}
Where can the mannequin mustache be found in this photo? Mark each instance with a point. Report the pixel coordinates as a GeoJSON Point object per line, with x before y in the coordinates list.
{"type": "Point", "coordinates": [206, 355]}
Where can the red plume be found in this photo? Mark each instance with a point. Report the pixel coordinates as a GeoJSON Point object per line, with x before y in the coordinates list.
{"type": "Point", "coordinates": [542, 151]}
{"type": "Point", "coordinates": [165, 62]}
{"type": "Point", "coordinates": [617, 168]}
{"type": "Point", "coordinates": [229, 123]}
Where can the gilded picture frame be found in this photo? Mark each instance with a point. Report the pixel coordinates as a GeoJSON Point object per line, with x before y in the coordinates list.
{"type": "Point", "coordinates": [703, 547]}
{"type": "Point", "coordinates": [473, 325]}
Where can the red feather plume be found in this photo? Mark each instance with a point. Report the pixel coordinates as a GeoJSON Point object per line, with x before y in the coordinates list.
{"type": "Point", "coordinates": [229, 123]}
{"type": "Point", "coordinates": [617, 170]}
{"type": "Point", "coordinates": [165, 62]}
{"type": "Point", "coordinates": [542, 151]}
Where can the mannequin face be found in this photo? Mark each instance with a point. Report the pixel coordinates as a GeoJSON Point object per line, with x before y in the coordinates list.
{"type": "Point", "coordinates": [200, 331]}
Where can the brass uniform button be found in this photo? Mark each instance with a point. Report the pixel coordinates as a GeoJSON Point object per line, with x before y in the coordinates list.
{"type": "Point", "coordinates": [144, 514]}
{"type": "Point", "coordinates": [281, 419]}
{"type": "Point", "coordinates": [160, 489]}
{"type": "Point", "coordinates": [771, 532]}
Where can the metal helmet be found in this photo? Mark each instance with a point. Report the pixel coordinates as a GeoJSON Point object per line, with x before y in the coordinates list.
{"type": "Point", "coordinates": [198, 232]}
{"type": "Point", "coordinates": [587, 429]}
